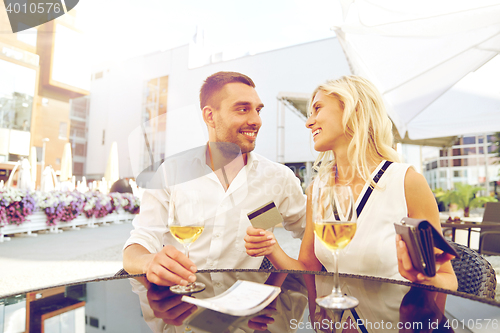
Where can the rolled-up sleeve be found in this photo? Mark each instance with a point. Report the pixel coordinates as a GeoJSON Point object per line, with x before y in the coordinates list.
{"type": "Point", "coordinates": [150, 225]}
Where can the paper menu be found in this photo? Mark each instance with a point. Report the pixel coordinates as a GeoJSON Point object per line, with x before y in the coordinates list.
{"type": "Point", "coordinates": [242, 299]}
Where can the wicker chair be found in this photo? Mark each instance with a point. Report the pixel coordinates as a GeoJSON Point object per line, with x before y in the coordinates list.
{"type": "Point", "coordinates": [475, 274]}
{"type": "Point", "coordinates": [489, 241]}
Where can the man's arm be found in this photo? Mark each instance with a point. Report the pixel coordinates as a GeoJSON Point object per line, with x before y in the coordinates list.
{"type": "Point", "coordinates": [166, 268]}
{"type": "Point", "coordinates": [144, 252]}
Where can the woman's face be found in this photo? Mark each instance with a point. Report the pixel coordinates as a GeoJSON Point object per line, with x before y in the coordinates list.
{"type": "Point", "coordinates": [325, 122]}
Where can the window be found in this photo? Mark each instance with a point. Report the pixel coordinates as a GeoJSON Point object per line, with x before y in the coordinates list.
{"type": "Point", "coordinates": [443, 152]}
{"type": "Point", "coordinates": [456, 152]}
{"type": "Point", "coordinates": [469, 151]}
{"type": "Point", "coordinates": [79, 149]}
{"type": "Point", "coordinates": [77, 129]}
{"type": "Point", "coordinates": [469, 140]}
{"type": "Point", "coordinates": [16, 97]}
{"type": "Point", "coordinates": [39, 153]}
{"type": "Point", "coordinates": [63, 130]}
{"type": "Point", "coordinates": [78, 168]}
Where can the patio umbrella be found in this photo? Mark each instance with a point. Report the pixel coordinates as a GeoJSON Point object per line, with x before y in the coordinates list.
{"type": "Point", "coordinates": [66, 164]}
{"type": "Point", "coordinates": [48, 181]}
{"type": "Point", "coordinates": [415, 51]}
{"type": "Point", "coordinates": [24, 177]}
{"type": "Point", "coordinates": [112, 170]}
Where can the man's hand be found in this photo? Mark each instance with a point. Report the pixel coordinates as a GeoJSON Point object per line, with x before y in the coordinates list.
{"type": "Point", "coordinates": [407, 270]}
{"type": "Point", "coordinates": [259, 242]}
{"type": "Point", "coordinates": [168, 306]}
{"type": "Point", "coordinates": [169, 267]}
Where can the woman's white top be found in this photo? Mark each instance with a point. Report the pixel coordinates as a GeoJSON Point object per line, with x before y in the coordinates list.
{"type": "Point", "coordinates": [372, 251]}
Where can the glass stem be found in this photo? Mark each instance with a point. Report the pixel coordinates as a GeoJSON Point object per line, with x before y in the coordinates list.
{"type": "Point", "coordinates": [336, 280]}
{"type": "Point", "coordinates": [186, 249]}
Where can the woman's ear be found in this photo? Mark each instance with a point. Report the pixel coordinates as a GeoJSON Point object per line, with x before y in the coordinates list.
{"type": "Point", "coordinates": [208, 116]}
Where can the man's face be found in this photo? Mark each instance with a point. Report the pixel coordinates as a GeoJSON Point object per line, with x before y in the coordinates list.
{"type": "Point", "coordinates": [237, 120]}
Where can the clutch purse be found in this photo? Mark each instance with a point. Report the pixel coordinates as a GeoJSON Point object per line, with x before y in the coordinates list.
{"type": "Point", "coordinates": [421, 238]}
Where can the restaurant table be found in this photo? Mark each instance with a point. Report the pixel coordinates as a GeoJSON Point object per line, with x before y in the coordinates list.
{"type": "Point", "coordinates": [132, 304]}
{"type": "Point", "coordinates": [484, 226]}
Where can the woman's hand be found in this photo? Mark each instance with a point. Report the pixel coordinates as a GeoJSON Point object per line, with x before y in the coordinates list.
{"type": "Point", "coordinates": [259, 242]}
{"type": "Point", "coordinates": [407, 270]}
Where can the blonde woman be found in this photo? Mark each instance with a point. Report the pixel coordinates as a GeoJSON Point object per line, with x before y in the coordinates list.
{"type": "Point", "coordinates": [351, 129]}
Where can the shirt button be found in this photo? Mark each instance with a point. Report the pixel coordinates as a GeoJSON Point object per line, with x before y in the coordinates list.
{"type": "Point", "coordinates": [216, 235]}
{"type": "Point", "coordinates": [211, 264]}
{"type": "Point", "coordinates": [218, 284]}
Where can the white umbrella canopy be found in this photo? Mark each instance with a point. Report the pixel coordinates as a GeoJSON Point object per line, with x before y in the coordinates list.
{"type": "Point", "coordinates": [24, 178]}
{"type": "Point", "coordinates": [112, 170]}
{"type": "Point", "coordinates": [66, 164]}
{"type": "Point", "coordinates": [415, 51]}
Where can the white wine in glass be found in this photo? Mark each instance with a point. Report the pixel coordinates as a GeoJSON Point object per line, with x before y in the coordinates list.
{"type": "Point", "coordinates": [334, 217]}
{"type": "Point", "coordinates": [186, 223]}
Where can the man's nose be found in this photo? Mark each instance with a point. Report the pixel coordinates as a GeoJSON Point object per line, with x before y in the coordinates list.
{"type": "Point", "coordinates": [254, 119]}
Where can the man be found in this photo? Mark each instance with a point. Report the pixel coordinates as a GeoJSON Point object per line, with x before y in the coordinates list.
{"type": "Point", "coordinates": [242, 182]}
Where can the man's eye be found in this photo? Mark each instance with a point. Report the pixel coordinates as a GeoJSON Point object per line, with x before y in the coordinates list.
{"type": "Point", "coordinates": [243, 109]}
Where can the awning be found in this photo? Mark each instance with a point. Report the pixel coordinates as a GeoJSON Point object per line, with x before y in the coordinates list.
{"type": "Point", "coordinates": [416, 51]}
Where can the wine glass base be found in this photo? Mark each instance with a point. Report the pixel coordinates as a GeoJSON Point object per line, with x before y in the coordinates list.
{"type": "Point", "coordinates": [337, 302]}
{"type": "Point", "coordinates": [191, 288]}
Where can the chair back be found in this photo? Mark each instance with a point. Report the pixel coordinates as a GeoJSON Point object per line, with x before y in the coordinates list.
{"type": "Point", "coordinates": [475, 274]}
{"type": "Point", "coordinates": [489, 243]}
{"type": "Point", "coordinates": [492, 212]}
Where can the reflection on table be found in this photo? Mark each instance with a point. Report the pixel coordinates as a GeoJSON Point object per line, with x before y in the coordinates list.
{"type": "Point", "coordinates": [134, 305]}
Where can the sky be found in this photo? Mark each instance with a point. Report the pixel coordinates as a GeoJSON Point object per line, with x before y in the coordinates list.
{"type": "Point", "coordinates": [121, 29]}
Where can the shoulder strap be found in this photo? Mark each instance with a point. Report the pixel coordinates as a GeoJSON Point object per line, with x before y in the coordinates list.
{"type": "Point", "coordinates": [369, 190]}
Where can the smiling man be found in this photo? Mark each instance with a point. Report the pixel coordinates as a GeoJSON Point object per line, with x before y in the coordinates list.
{"type": "Point", "coordinates": [234, 181]}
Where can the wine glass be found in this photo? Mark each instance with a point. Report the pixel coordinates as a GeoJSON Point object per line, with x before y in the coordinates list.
{"type": "Point", "coordinates": [334, 217]}
{"type": "Point", "coordinates": [186, 223]}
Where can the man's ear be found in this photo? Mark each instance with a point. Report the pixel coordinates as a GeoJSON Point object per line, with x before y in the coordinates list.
{"type": "Point", "coordinates": [208, 116]}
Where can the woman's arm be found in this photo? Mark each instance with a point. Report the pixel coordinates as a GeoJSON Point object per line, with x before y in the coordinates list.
{"type": "Point", "coordinates": [259, 242]}
{"type": "Point", "coordinates": [422, 205]}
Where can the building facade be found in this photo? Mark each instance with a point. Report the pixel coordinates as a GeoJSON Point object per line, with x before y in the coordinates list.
{"type": "Point", "coordinates": [39, 77]}
{"type": "Point", "coordinates": [471, 160]}
{"type": "Point", "coordinates": [149, 105]}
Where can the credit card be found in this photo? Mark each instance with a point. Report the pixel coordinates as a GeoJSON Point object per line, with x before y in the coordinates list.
{"type": "Point", "coordinates": [265, 217]}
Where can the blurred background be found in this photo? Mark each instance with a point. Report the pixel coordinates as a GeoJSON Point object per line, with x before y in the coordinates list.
{"type": "Point", "coordinates": [119, 82]}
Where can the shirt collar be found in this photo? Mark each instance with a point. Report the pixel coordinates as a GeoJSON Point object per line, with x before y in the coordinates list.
{"type": "Point", "coordinates": [252, 160]}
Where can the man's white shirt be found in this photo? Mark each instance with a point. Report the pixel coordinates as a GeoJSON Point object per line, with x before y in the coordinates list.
{"type": "Point", "coordinates": [221, 245]}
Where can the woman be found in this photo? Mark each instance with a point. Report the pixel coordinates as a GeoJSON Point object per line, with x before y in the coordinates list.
{"type": "Point", "coordinates": [351, 129]}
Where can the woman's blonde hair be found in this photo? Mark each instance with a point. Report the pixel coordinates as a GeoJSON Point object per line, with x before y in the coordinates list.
{"type": "Point", "coordinates": [365, 122]}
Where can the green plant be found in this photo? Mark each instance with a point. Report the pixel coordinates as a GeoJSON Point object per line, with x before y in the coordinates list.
{"type": "Point", "coordinates": [465, 196]}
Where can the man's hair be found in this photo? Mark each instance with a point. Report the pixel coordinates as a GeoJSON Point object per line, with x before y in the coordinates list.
{"type": "Point", "coordinates": [216, 82]}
